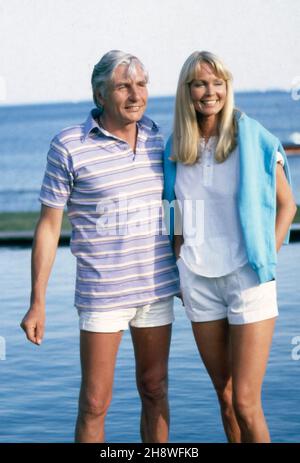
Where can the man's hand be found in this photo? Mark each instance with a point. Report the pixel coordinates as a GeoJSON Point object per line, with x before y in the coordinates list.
{"type": "Point", "coordinates": [33, 324]}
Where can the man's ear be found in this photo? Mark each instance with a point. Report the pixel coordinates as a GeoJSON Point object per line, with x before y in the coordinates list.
{"type": "Point", "coordinates": [99, 97]}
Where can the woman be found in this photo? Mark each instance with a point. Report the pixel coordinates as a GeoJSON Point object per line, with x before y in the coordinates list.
{"type": "Point", "coordinates": [230, 177]}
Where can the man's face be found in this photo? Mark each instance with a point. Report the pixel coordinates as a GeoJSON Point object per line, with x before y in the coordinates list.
{"type": "Point", "coordinates": [126, 98]}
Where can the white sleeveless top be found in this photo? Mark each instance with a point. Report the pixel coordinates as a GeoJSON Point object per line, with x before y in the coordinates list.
{"type": "Point", "coordinates": [207, 197]}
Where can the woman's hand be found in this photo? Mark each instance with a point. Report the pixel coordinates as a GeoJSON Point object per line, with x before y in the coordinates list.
{"type": "Point", "coordinates": [178, 241]}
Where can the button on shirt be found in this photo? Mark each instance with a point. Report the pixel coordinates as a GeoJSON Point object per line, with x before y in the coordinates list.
{"type": "Point", "coordinates": [114, 203]}
{"type": "Point", "coordinates": [207, 195]}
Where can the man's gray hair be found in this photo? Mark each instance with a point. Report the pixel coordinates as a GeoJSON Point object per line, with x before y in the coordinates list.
{"type": "Point", "coordinates": [103, 72]}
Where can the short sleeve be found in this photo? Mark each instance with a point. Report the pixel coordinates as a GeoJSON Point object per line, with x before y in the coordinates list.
{"type": "Point", "coordinates": [58, 179]}
{"type": "Point", "coordinates": [279, 158]}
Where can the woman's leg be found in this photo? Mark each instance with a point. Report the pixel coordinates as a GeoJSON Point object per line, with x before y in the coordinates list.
{"type": "Point", "coordinates": [250, 347]}
{"type": "Point", "coordinates": [212, 339]}
{"type": "Point", "coordinates": [98, 353]}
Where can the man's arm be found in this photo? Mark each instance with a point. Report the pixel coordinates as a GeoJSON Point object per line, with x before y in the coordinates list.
{"type": "Point", "coordinates": [45, 242]}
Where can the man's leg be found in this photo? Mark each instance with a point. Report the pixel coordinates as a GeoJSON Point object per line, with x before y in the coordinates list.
{"type": "Point", "coordinates": [151, 347]}
{"type": "Point", "coordinates": [98, 353]}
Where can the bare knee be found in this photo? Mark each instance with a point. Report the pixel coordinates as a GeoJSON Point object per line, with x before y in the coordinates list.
{"type": "Point", "coordinates": [246, 408]}
{"type": "Point", "coordinates": [93, 405]}
{"type": "Point", "coordinates": [153, 388]}
{"type": "Point", "coordinates": [223, 389]}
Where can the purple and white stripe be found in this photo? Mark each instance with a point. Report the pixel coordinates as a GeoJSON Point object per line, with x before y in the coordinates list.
{"type": "Point", "coordinates": [114, 203]}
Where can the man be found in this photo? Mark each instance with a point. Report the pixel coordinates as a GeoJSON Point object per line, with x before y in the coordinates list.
{"type": "Point", "coordinates": [109, 173]}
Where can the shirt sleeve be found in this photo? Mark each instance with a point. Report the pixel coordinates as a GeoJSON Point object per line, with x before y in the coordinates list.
{"type": "Point", "coordinates": [279, 158]}
{"type": "Point", "coordinates": [58, 179]}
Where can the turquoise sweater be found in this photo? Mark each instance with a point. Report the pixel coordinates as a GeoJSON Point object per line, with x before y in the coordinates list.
{"type": "Point", "coordinates": [256, 193]}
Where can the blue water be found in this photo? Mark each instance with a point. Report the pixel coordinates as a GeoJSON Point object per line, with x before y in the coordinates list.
{"type": "Point", "coordinates": [25, 133]}
{"type": "Point", "coordinates": [39, 385]}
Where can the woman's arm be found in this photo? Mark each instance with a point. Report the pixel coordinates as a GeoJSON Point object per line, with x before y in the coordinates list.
{"type": "Point", "coordinates": [286, 207]}
{"type": "Point", "coordinates": [178, 241]}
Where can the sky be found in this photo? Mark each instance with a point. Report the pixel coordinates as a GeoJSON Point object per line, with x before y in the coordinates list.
{"type": "Point", "coordinates": [48, 47]}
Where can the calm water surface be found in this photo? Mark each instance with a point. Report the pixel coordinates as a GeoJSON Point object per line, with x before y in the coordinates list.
{"type": "Point", "coordinates": [39, 385]}
{"type": "Point", "coordinates": [26, 131]}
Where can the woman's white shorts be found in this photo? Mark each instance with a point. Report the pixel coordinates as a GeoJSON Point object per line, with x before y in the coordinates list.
{"type": "Point", "coordinates": [238, 296]}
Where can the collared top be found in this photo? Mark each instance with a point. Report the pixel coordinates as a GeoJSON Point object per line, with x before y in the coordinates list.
{"type": "Point", "coordinates": [213, 240]}
{"type": "Point", "coordinates": [114, 203]}
{"type": "Point", "coordinates": [256, 195]}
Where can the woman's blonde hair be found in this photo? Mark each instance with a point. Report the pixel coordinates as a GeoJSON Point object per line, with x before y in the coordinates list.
{"type": "Point", "coordinates": [186, 133]}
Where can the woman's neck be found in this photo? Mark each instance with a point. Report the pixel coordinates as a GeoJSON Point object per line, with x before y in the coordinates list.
{"type": "Point", "coordinates": [208, 126]}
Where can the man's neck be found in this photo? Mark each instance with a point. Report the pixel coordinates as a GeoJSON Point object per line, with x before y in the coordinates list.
{"type": "Point", "coordinates": [126, 132]}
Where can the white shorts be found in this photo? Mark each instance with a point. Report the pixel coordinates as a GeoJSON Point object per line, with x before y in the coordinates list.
{"type": "Point", "coordinates": [238, 296]}
{"type": "Point", "coordinates": [156, 314]}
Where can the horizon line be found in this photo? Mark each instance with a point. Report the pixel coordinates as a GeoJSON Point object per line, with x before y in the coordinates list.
{"type": "Point", "coordinates": [152, 97]}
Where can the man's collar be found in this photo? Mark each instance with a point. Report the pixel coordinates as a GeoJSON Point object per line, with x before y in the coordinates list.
{"type": "Point", "coordinates": [147, 124]}
{"type": "Point", "coordinates": [91, 125]}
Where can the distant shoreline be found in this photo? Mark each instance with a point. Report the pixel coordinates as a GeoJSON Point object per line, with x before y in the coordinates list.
{"type": "Point", "coordinates": [89, 101]}
{"type": "Point", "coordinates": [17, 228]}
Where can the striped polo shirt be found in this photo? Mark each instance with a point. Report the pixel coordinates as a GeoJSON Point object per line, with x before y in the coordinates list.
{"type": "Point", "coordinates": [114, 204]}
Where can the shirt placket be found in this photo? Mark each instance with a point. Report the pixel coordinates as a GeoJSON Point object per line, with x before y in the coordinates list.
{"type": "Point", "coordinates": [207, 166]}
{"type": "Point", "coordinates": [132, 154]}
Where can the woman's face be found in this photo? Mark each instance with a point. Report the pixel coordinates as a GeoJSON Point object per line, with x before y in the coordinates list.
{"type": "Point", "coordinates": [208, 92]}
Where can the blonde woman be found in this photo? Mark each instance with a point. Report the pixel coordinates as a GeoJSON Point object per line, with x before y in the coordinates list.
{"type": "Point", "coordinates": [231, 180]}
